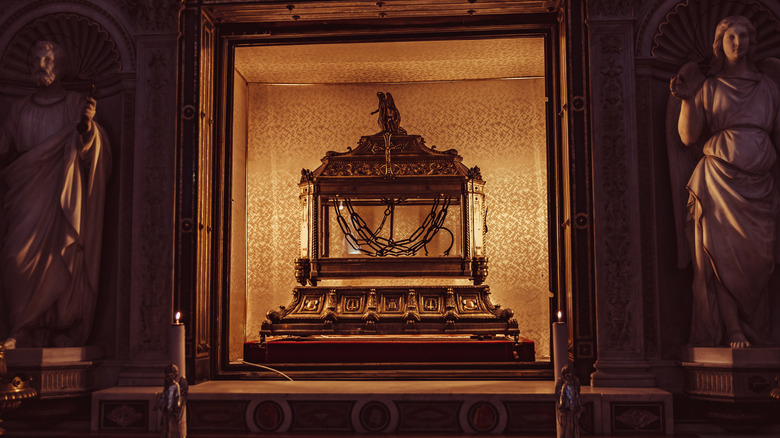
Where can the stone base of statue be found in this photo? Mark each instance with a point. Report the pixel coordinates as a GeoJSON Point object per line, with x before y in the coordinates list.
{"type": "Point", "coordinates": [63, 377]}
{"type": "Point", "coordinates": [731, 386]}
{"type": "Point", "coordinates": [56, 372]}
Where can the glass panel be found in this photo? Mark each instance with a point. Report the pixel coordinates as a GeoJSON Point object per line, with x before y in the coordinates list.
{"type": "Point", "coordinates": [392, 227]}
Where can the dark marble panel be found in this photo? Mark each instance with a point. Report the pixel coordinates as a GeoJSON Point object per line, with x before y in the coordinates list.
{"type": "Point", "coordinates": [321, 416]}
{"type": "Point", "coordinates": [124, 415]}
{"type": "Point", "coordinates": [428, 416]}
{"type": "Point", "coordinates": [224, 416]}
{"type": "Point", "coordinates": [637, 418]}
{"type": "Point", "coordinates": [530, 417]}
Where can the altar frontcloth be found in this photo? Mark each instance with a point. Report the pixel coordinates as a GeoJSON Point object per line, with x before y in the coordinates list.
{"type": "Point", "coordinates": [392, 349]}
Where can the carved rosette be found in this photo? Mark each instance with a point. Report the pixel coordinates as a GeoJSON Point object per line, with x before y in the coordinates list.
{"type": "Point", "coordinates": [153, 15]}
{"type": "Point", "coordinates": [610, 8]}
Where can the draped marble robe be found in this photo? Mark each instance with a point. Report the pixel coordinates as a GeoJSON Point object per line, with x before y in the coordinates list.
{"type": "Point", "coordinates": [54, 193]}
{"type": "Point", "coordinates": [734, 206]}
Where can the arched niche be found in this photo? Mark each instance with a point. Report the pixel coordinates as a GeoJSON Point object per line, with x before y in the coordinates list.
{"type": "Point", "coordinates": [669, 34]}
{"type": "Point", "coordinates": [101, 53]}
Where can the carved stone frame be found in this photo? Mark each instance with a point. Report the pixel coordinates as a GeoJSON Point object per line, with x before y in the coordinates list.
{"type": "Point", "coordinates": [195, 66]}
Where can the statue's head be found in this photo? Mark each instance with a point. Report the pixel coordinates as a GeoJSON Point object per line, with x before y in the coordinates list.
{"type": "Point", "coordinates": [735, 24]}
{"type": "Point", "coordinates": [567, 372]}
{"type": "Point", "coordinates": [171, 373]}
{"type": "Point", "coordinates": [47, 60]}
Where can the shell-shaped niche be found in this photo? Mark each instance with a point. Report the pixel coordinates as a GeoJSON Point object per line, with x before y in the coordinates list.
{"type": "Point", "coordinates": [92, 56]}
{"type": "Point", "coordinates": [687, 32]}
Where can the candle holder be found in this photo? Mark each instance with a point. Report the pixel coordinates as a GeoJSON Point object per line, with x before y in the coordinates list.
{"type": "Point", "coordinates": [12, 391]}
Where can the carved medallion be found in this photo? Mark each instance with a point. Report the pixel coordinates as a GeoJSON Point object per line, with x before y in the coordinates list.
{"type": "Point", "coordinates": [374, 416]}
{"type": "Point", "coordinates": [483, 417]}
{"type": "Point", "coordinates": [268, 416]}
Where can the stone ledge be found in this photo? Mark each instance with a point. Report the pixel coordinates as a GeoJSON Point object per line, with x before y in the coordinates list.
{"type": "Point", "coordinates": [19, 357]}
{"type": "Point", "coordinates": [733, 357]}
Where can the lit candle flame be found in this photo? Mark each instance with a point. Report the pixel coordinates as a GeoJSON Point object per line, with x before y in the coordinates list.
{"type": "Point", "coordinates": [560, 316]}
{"type": "Point", "coordinates": [178, 315]}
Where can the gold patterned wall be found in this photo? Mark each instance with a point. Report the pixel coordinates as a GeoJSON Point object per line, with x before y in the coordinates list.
{"type": "Point", "coordinates": [498, 125]}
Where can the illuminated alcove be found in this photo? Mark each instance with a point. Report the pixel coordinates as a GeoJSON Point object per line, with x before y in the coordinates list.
{"type": "Point", "coordinates": [486, 98]}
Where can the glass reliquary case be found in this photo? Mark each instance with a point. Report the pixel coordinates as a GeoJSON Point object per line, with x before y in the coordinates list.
{"type": "Point", "coordinates": [391, 207]}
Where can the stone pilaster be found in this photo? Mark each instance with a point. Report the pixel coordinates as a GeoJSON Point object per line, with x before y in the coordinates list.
{"type": "Point", "coordinates": [620, 335]}
{"type": "Point", "coordinates": [154, 181]}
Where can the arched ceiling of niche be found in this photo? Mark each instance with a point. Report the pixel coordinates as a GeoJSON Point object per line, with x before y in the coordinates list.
{"type": "Point", "coordinates": [92, 55]}
{"type": "Point", "coordinates": [687, 30]}
{"type": "Point", "coordinates": [386, 62]}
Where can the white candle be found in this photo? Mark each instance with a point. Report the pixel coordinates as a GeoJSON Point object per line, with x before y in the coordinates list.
{"type": "Point", "coordinates": [176, 344]}
{"type": "Point", "coordinates": [560, 345]}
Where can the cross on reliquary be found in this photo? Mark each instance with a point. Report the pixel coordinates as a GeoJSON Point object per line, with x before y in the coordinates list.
{"type": "Point", "coordinates": [387, 148]}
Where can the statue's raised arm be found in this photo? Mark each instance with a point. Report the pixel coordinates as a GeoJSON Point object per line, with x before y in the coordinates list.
{"type": "Point", "coordinates": [731, 214]}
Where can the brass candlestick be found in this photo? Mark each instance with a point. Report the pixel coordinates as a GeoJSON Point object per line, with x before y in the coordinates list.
{"type": "Point", "coordinates": [12, 391]}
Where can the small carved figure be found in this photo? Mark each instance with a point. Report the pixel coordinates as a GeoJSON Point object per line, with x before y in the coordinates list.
{"type": "Point", "coordinates": [568, 407]}
{"type": "Point", "coordinates": [775, 391]}
{"type": "Point", "coordinates": [55, 164]}
{"type": "Point", "coordinates": [173, 404]}
{"type": "Point", "coordinates": [382, 110]}
{"type": "Point", "coordinates": [731, 123]}
{"type": "Point", "coordinates": [389, 117]}
{"type": "Point", "coordinates": [393, 116]}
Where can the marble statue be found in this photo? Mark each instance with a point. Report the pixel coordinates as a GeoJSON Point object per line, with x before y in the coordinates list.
{"type": "Point", "coordinates": [54, 164]}
{"type": "Point", "coordinates": [173, 404]}
{"type": "Point", "coordinates": [568, 407]}
{"type": "Point", "coordinates": [730, 119]}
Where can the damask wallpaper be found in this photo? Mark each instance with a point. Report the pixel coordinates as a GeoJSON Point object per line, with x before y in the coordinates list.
{"type": "Point", "coordinates": [498, 125]}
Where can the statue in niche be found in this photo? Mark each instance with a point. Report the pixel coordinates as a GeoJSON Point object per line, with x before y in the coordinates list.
{"type": "Point", "coordinates": [173, 404]}
{"type": "Point", "coordinates": [55, 161]}
{"type": "Point", "coordinates": [568, 407]}
{"type": "Point", "coordinates": [731, 124]}
{"type": "Point", "coordinates": [389, 117]}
